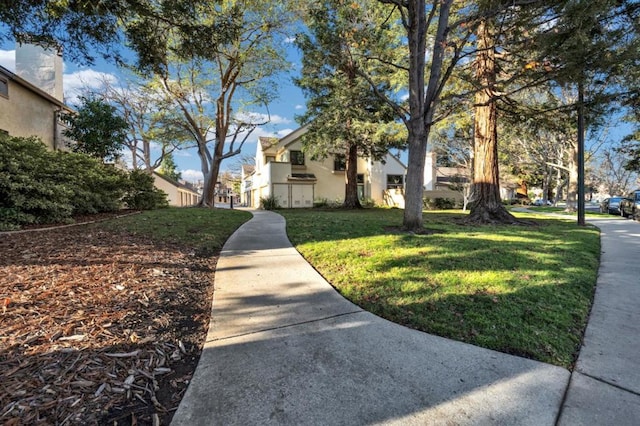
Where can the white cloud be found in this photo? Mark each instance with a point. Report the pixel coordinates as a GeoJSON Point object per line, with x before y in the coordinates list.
{"type": "Point", "coordinates": [80, 81]}
{"type": "Point", "coordinates": [299, 106]}
{"type": "Point", "coordinates": [8, 59]}
{"type": "Point", "coordinates": [74, 84]}
{"type": "Point", "coordinates": [182, 153]}
{"type": "Point", "coordinates": [257, 117]}
{"type": "Point", "coordinates": [191, 175]}
{"type": "Point", "coordinates": [289, 40]}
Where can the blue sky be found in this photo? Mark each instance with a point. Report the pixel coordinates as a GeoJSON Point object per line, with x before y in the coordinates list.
{"type": "Point", "coordinates": [283, 110]}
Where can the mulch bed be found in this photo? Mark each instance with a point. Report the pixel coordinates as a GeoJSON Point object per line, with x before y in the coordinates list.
{"type": "Point", "coordinates": [98, 327]}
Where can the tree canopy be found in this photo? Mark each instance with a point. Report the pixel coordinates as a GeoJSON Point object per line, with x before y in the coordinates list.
{"type": "Point", "coordinates": [97, 129]}
{"type": "Point", "coordinates": [344, 116]}
{"type": "Point", "coordinates": [85, 27]}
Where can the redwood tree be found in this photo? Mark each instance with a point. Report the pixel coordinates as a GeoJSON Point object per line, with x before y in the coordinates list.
{"type": "Point", "coordinates": [486, 205]}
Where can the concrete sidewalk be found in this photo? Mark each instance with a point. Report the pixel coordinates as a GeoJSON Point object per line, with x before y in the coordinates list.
{"type": "Point", "coordinates": [285, 348]}
{"type": "Point", "coordinates": [605, 385]}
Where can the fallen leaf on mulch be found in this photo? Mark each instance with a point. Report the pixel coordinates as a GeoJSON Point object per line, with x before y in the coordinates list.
{"type": "Point", "coordinates": [98, 327]}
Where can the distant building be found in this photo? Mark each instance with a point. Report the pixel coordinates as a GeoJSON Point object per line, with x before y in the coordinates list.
{"type": "Point", "coordinates": [283, 171]}
{"type": "Point", "coordinates": [179, 194]}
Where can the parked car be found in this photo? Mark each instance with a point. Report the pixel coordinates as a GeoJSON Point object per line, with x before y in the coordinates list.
{"type": "Point", "coordinates": [610, 205]}
{"type": "Point", "coordinates": [540, 202]}
{"type": "Point", "coordinates": [630, 205]}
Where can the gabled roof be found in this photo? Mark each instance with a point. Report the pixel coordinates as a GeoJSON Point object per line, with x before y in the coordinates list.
{"type": "Point", "coordinates": [293, 136]}
{"type": "Point", "coordinates": [176, 183]}
{"type": "Point", "coordinates": [397, 159]}
{"type": "Point", "coordinates": [24, 83]}
{"type": "Point", "coordinates": [267, 142]}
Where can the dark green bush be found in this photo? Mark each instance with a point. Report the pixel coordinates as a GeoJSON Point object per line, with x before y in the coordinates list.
{"type": "Point", "coordinates": [440, 203]}
{"type": "Point", "coordinates": [269, 203]}
{"type": "Point", "coordinates": [95, 187]}
{"type": "Point", "coordinates": [42, 186]}
{"type": "Point", "coordinates": [28, 189]}
{"type": "Point", "coordinates": [142, 194]}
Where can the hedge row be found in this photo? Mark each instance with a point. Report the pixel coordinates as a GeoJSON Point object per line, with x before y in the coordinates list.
{"type": "Point", "coordinates": [39, 186]}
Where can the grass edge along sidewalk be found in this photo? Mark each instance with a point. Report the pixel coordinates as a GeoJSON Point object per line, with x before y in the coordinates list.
{"type": "Point", "coordinates": [523, 290]}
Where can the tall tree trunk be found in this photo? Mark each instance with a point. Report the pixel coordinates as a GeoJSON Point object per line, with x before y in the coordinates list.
{"type": "Point", "coordinates": [558, 191]}
{"type": "Point", "coordinates": [422, 103]}
{"type": "Point", "coordinates": [486, 206]}
{"type": "Point", "coordinates": [546, 184]}
{"type": "Point", "coordinates": [414, 184]}
{"type": "Point", "coordinates": [572, 186]}
{"type": "Point", "coordinates": [351, 179]}
{"type": "Point", "coordinates": [206, 165]}
{"type": "Point", "coordinates": [417, 137]}
{"type": "Point", "coordinates": [214, 161]}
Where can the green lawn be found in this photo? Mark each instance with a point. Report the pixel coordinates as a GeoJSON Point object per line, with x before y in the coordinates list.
{"type": "Point", "coordinates": [524, 290]}
{"type": "Point", "coordinates": [560, 210]}
{"type": "Point", "coordinates": [204, 229]}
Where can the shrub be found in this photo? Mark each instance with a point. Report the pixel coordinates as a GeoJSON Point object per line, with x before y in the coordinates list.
{"type": "Point", "coordinates": [42, 186]}
{"type": "Point", "coordinates": [29, 190]}
{"type": "Point", "coordinates": [439, 203]}
{"type": "Point", "coordinates": [95, 187]}
{"type": "Point", "coordinates": [10, 218]}
{"type": "Point", "coordinates": [368, 203]}
{"type": "Point", "coordinates": [142, 194]}
{"type": "Point", "coordinates": [321, 202]}
{"type": "Point", "coordinates": [269, 203]}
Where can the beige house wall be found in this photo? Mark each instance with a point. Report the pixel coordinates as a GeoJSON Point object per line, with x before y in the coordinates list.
{"type": "Point", "coordinates": [178, 197]}
{"type": "Point", "coordinates": [26, 113]}
{"type": "Point", "coordinates": [321, 182]}
{"type": "Point", "coordinates": [330, 184]}
{"type": "Point", "coordinates": [379, 173]}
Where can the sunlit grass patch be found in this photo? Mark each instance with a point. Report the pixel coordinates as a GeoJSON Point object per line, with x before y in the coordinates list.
{"type": "Point", "coordinates": [201, 228]}
{"type": "Point", "coordinates": [524, 290]}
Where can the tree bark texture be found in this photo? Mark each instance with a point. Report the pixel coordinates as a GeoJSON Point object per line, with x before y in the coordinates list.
{"type": "Point", "coordinates": [417, 138]}
{"type": "Point", "coordinates": [422, 103]}
{"type": "Point", "coordinates": [486, 206]}
{"type": "Point", "coordinates": [351, 200]}
{"type": "Point", "coordinates": [572, 186]}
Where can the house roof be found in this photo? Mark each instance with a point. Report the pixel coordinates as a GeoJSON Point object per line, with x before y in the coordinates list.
{"type": "Point", "coordinates": [24, 83]}
{"type": "Point", "coordinates": [293, 136]}
{"type": "Point", "coordinates": [267, 142]}
{"type": "Point", "coordinates": [395, 158]}
{"type": "Point", "coordinates": [176, 183]}
{"type": "Point", "coordinates": [296, 134]}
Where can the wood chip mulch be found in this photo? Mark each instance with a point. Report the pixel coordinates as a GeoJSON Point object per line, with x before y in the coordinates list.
{"type": "Point", "coordinates": [98, 327]}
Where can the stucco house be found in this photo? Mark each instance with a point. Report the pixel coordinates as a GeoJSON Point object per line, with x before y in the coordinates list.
{"type": "Point", "coordinates": [178, 194]}
{"type": "Point", "coordinates": [27, 110]}
{"type": "Point", "coordinates": [283, 170]}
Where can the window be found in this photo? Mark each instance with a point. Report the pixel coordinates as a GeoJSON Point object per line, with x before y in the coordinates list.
{"type": "Point", "coordinates": [339, 163]}
{"type": "Point", "coordinates": [395, 182]}
{"type": "Point", "coordinates": [271, 158]}
{"type": "Point", "coordinates": [360, 186]}
{"type": "Point", "coordinates": [4, 87]}
{"type": "Point", "coordinates": [297, 158]}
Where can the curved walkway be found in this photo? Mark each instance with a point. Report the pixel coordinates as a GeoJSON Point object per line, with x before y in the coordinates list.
{"type": "Point", "coordinates": [285, 348]}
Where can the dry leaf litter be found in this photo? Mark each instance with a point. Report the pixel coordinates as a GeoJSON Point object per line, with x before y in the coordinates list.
{"type": "Point", "coordinates": [98, 327]}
